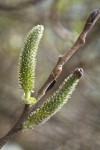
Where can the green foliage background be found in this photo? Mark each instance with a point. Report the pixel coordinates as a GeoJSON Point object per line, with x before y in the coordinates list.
{"type": "Point", "coordinates": [77, 125]}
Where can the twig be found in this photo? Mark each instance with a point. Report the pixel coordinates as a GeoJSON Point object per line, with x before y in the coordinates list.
{"type": "Point", "coordinates": [19, 6]}
{"type": "Point", "coordinates": [94, 16]}
{"type": "Point", "coordinates": [15, 128]}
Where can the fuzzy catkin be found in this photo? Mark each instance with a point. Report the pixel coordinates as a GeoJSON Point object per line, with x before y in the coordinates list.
{"type": "Point", "coordinates": [27, 61]}
{"type": "Point", "coordinates": [54, 103]}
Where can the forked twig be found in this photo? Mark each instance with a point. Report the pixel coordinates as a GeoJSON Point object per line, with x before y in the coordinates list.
{"type": "Point", "coordinates": [94, 16]}
{"type": "Point", "coordinates": [64, 58]}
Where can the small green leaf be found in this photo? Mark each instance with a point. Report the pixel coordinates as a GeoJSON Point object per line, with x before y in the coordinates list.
{"type": "Point", "coordinates": [31, 100]}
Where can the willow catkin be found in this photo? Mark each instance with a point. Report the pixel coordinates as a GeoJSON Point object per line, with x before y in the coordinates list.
{"type": "Point", "coordinates": [27, 61]}
{"type": "Point", "coordinates": [55, 102]}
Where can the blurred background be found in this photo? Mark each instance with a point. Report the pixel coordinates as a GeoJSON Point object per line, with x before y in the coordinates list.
{"type": "Point", "coordinates": [77, 125]}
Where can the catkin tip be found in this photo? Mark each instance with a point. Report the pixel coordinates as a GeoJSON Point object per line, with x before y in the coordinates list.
{"type": "Point", "coordinates": [79, 72]}
{"type": "Point", "coordinates": [39, 27]}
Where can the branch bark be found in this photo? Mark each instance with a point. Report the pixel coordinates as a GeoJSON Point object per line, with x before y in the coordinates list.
{"type": "Point", "coordinates": [94, 16]}
{"type": "Point", "coordinates": [16, 126]}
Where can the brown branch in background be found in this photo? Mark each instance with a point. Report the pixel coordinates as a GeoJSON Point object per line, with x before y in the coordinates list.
{"type": "Point", "coordinates": [19, 5]}
{"type": "Point", "coordinates": [94, 16]}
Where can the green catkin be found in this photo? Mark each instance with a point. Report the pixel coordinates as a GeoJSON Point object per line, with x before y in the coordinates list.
{"type": "Point", "coordinates": [54, 103]}
{"type": "Point", "coordinates": [27, 61]}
